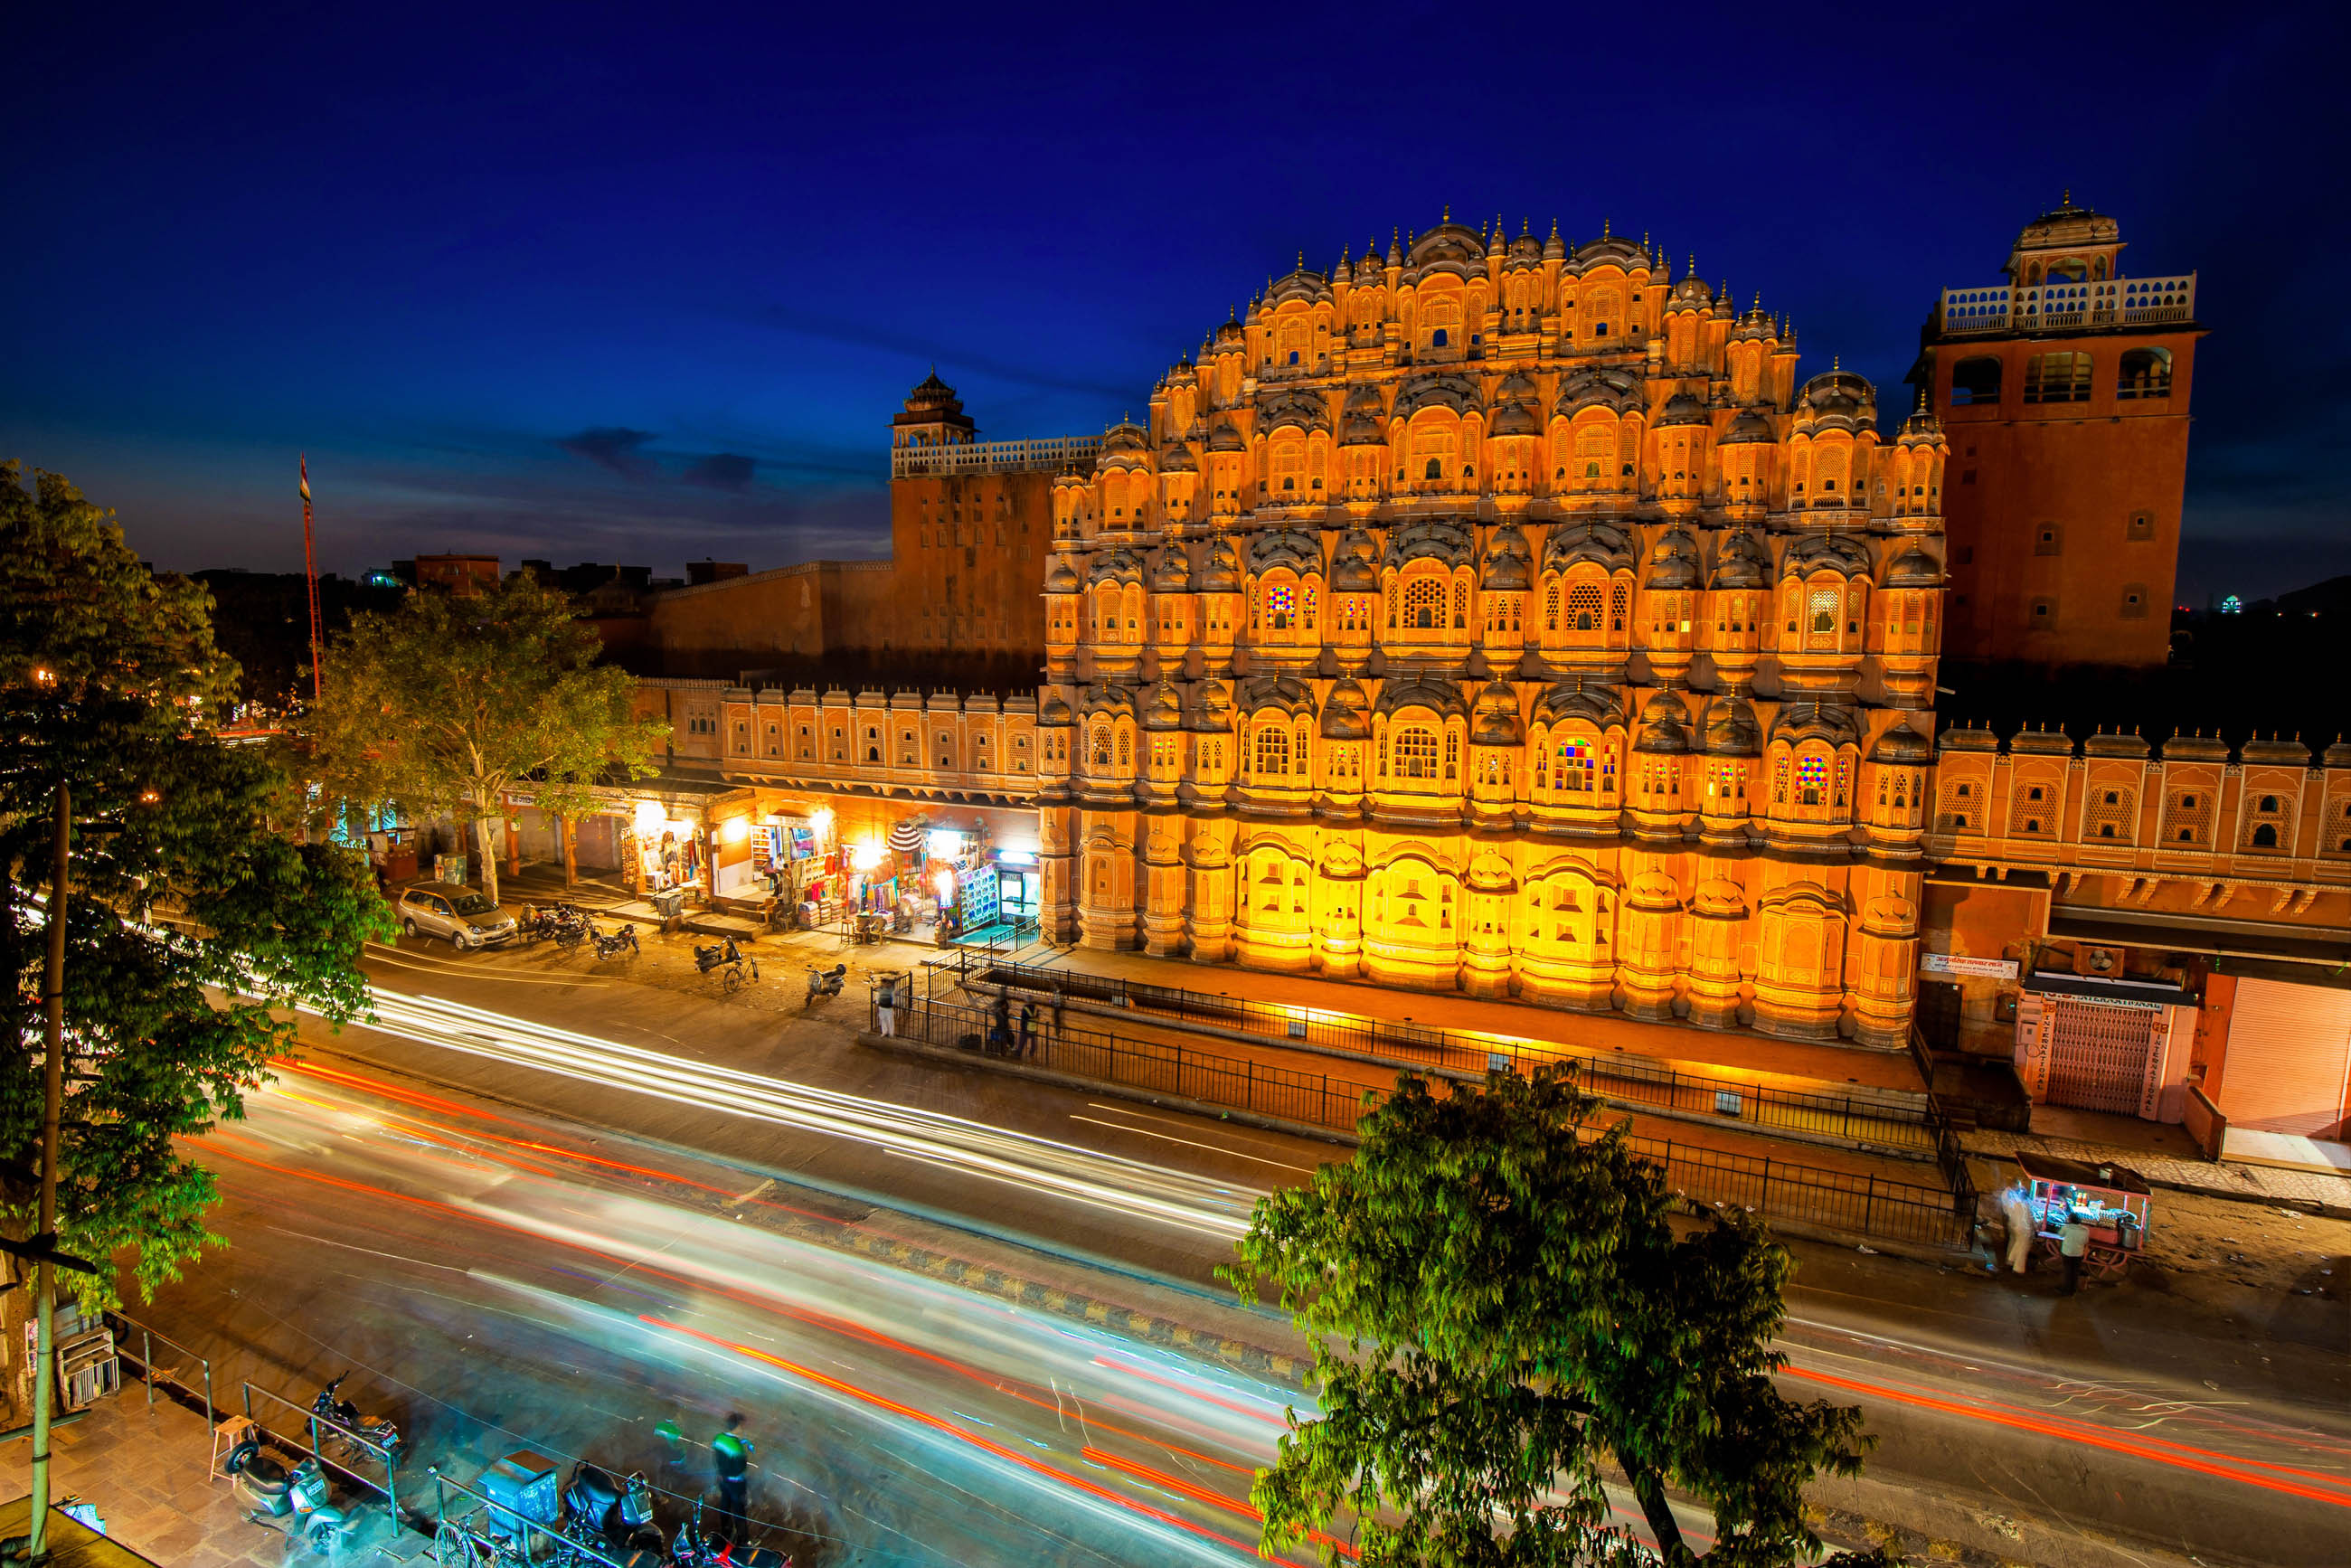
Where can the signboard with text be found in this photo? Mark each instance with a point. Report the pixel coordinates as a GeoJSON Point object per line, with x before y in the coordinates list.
{"type": "Point", "coordinates": [1953, 964]}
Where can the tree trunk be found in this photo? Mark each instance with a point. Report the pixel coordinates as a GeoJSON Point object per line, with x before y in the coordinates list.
{"type": "Point", "coordinates": [489, 860]}
{"type": "Point", "coordinates": [1651, 1491]}
{"type": "Point", "coordinates": [566, 829]}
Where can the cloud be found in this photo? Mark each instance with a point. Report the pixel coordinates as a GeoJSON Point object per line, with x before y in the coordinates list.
{"type": "Point", "coordinates": [614, 446]}
{"type": "Point", "coordinates": [856, 335]}
{"type": "Point", "coordinates": [721, 471]}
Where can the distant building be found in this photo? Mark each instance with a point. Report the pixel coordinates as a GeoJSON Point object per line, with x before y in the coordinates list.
{"type": "Point", "coordinates": [460, 574]}
{"type": "Point", "coordinates": [2063, 389]}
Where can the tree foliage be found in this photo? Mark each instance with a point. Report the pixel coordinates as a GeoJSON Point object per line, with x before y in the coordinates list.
{"type": "Point", "coordinates": [450, 700]}
{"type": "Point", "coordinates": [1502, 1311]}
{"type": "Point", "coordinates": [182, 879]}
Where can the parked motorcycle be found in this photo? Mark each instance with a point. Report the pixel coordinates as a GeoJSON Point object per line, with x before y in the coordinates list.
{"type": "Point", "coordinates": [696, 1548]}
{"type": "Point", "coordinates": [620, 939]}
{"type": "Point", "coordinates": [560, 922]}
{"type": "Point", "coordinates": [824, 983]}
{"type": "Point", "coordinates": [300, 1496]}
{"type": "Point", "coordinates": [724, 956]}
{"type": "Point", "coordinates": [604, 1510]}
{"type": "Point", "coordinates": [338, 1422]}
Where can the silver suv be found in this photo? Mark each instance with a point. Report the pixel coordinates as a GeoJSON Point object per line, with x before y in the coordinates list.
{"type": "Point", "coordinates": [466, 917]}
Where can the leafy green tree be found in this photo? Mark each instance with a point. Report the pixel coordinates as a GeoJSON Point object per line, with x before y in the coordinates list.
{"type": "Point", "coordinates": [450, 700]}
{"type": "Point", "coordinates": [193, 918]}
{"type": "Point", "coordinates": [1501, 1310]}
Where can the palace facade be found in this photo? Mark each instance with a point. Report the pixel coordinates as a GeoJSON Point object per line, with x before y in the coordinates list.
{"type": "Point", "coordinates": [1504, 617]}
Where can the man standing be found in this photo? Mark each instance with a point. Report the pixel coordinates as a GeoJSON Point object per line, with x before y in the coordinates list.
{"type": "Point", "coordinates": [2073, 1246]}
{"type": "Point", "coordinates": [2017, 1210]}
{"type": "Point", "coordinates": [730, 1455]}
{"type": "Point", "coordinates": [885, 1002]}
{"type": "Point", "coordinates": [1028, 1029]}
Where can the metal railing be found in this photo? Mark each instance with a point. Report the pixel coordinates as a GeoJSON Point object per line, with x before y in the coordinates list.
{"type": "Point", "coordinates": [311, 1422]}
{"type": "Point", "coordinates": [461, 1541]}
{"type": "Point", "coordinates": [149, 1373]}
{"type": "Point", "coordinates": [1868, 1204]}
{"type": "Point", "coordinates": [1632, 1083]}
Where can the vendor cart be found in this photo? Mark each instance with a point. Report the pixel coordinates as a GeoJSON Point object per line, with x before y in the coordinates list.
{"type": "Point", "coordinates": [2112, 1200]}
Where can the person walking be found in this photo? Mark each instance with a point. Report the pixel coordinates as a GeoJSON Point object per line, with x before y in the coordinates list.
{"type": "Point", "coordinates": [2073, 1246]}
{"type": "Point", "coordinates": [2017, 1210]}
{"type": "Point", "coordinates": [1027, 1029]}
{"type": "Point", "coordinates": [885, 1002]}
{"type": "Point", "coordinates": [730, 1455]}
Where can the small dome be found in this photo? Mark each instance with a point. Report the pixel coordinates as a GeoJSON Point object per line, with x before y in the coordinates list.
{"type": "Point", "coordinates": [1682, 408]}
{"type": "Point", "coordinates": [1905, 746]}
{"type": "Point", "coordinates": [1221, 573]}
{"type": "Point", "coordinates": [1214, 709]}
{"type": "Point", "coordinates": [1505, 565]}
{"type": "Point", "coordinates": [2338, 755]}
{"type": "Point", "coordinates": [1173, 573]}
{"type": "Point", "coordinates": [1055, 712]}
{"type": "Point", "coordinates": [2291, 753]}
{"type": "Point", "coordinates": [1514, 419]}
{"type": "Point", "coordinates": [1225, 438]}
{"type": "Point", "coordinates": [1914, 568]}
{"type": "Point", "coordinates": [1060, 578]}
{"type": "Point", "coordinates": [1663, 725]}
{"type": "Point", "coordinates": [1674, 563]}
{"type": "Point", "coordinates": [1587, 541]}
{"type": "Point", "coordinates": [1968, 738]}
{"type": "Point", "coordinates": [2114, 743]}
{"type": "Point", "coordinates": [1597, 705]}
{"type": "Point", "coordinates": [1496, 722]}
{"type": "Point", "coordinates": [1175, 457]}
{"type": "Point", "coordinates": [1344, 715]}
{"type": "Point", "coordinates": [1743, 563]}
{"type": "Point", "coordinates": [1732, 729]}
{"type": "Point", "coordinates": [1164, 708]}
{"type": "Point", "coordinates": [1837, 400]}
{"type": "Point", "coordinates": [2042, 743]}
{"type": "Point", "coordinates": [1354, 566]}
{"type": "Point", "coordinates": [2197, 748]}
{"type": "Point", "coordinates": [1748, 428]}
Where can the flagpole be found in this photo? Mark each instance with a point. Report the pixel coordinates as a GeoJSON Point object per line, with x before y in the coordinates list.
{"type": "Point", "coordinates": [310, 573]}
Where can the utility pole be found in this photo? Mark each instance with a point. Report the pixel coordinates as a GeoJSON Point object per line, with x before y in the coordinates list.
{"type": "Point", "coordinates": [310, 575]}
{"type": "Point", "coordinates": [53, 1087]}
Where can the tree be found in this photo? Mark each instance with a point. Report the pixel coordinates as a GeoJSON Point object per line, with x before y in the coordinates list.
{"type": "Point", "coordinates": [450, 701]}
{"type": "Point", "coordinates": [193, 919]}
{"type": "Point", "coordinates": [1516, 1311]}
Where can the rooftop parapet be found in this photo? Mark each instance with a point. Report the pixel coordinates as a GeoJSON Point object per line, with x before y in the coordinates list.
{"type": "Point", "coordinates": [1043, 454]}
{"type": "Point", "coordinates": [2066, 306]}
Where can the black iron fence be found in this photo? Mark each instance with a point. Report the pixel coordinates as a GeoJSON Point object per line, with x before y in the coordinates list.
{"type": "Point", "coordinates": [1845, 1200]}
{"type": "Point", "coordinates": [1912, 1128]}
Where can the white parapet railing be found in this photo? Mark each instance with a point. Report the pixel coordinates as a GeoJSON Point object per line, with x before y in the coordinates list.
{"type": "Point", "coordinates": [1049, 454]}
{"type": "Point", "coordinates": [2056, 307]}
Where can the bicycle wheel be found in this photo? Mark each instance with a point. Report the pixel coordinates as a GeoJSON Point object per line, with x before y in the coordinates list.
{"type": "Point", "coordinates": [733, 982]}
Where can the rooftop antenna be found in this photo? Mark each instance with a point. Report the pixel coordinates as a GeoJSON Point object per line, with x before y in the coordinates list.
{"type": "Point", "coordinates": [310, 576]}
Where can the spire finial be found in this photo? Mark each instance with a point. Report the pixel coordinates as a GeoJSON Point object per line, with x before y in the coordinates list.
{"type": "Point", "coordinates": [1302, 260]}
{"type": "Point", "coordinates": [1836, 361]}
{"type": "Point", "coordinates": [2069, 196]}
{"type": "Point", "coordinates": [1603, 228]}
{"type": "Point", "coordinates": [1448, 214]}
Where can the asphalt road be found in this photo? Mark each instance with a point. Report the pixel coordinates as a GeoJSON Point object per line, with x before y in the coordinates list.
{"type": "Point", "coordinates": [2215, 1429]}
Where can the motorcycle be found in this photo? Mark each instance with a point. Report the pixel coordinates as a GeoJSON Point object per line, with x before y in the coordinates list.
{"type": "Point", "coordinates": [561, 922]}
{"type": "Point", "coordinates": [622, 937]}
{"type": "Point", "coordinates": [339, 1420]}
{"type": "Point", "coordinates": [724, 956]}
{"type": "Point", "coordinates": [301, 1495]}
{"type": "Point", "coordinates": [824, 983]}
{"type": "Point", "coordinates": [694, 1548]}
{"type": "Point", "coordinates": [606, 1510]}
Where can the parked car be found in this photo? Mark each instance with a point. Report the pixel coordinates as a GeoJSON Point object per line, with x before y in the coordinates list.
{"type": "Point", "coordinates": [464, 916]}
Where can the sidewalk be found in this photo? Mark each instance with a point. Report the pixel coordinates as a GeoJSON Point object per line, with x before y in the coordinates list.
{"type": "Point", "coordinates": [148, 1473]}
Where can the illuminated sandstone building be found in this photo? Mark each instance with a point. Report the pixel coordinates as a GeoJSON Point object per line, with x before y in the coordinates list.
{"type": "Point", "coordinates": [2064, 391]}
{"type": "Point", "coordinates": [1508, 617]}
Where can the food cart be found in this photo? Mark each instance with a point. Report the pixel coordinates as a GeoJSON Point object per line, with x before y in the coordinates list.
{"type": "Point", "coordinates": [2112, 1200]}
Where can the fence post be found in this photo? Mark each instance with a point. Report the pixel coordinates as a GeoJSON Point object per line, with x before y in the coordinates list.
{"type": "Point", "coordinates": [211, 1415]}
{"type": "Point", "coordinates": [147, 1361]}
{"type": "Point", "coordinates": [1869, 1207]}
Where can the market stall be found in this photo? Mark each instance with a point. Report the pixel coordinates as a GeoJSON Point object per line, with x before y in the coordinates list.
{"type": "Point", "coordinates": [2112, 1200]}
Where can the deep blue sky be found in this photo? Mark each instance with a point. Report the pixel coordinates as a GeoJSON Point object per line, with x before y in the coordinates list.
{"type": "Point", "coordinates": [647, 285]}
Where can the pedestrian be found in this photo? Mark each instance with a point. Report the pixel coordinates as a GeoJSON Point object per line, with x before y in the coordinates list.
{"type": "Point", "coordinates": [1059, 998]}
{"type": "Point", "coordinates": [885, 1002]}
{"type": "Point", "coordinates": [2017, 1210]}
{"type": "Point", "coordinates": [1027, 1029]}
{"type": "Point", "coordinates": [730, 1455]}
{"type": "Point", "coordinates": [2073, 1246]}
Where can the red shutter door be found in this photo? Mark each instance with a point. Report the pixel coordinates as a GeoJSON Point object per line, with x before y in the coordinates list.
{"type": "Point", "coordinates": [2289, 1052]}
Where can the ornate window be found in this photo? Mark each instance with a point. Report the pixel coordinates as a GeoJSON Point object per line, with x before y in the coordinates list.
{"type": "Point", "coordinates": [1306, 606]}
{"type": "Point", "coordinates": [1811, 778]}
{"type": "Point", "coordinates": [1618, 598]}
{"type": "Point", "coordinates": [1102, 746]}
{"type": "Point", "coordinates": [1125, 752]}
{"type": "Point", "coordinates": [1550, 608]}
{"type": "Point", "coordinates": [1424, 605]}
{"type": "Point", "coordinates": [1576, 761]}
{"type": "Point", "coordinates": [1415, 753]}
{"type": "Point", "coordinates": [1452, 754]}
{"type": "Point", "coordinates": [1280, 605]}
{"type": "Point", "coordinates": [1824, 603]}
{"type": "Point", "coordinates": [1584, 607]}
{"type": "Point", "coordinates": [1460, 606]}
{"type": "Point", "coordinates": [1272, 751]}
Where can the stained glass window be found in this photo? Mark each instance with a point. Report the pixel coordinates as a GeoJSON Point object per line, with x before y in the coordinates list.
{"type": "Point", "coordinates": [1812, 778]}
{"type": "Point", "coordinates": [1280, 604]}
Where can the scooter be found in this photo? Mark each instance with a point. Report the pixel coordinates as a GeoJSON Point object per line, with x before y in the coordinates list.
{"type": "Point", "coordinates": [338, 1420]}
{"type": "Point", "coordinates": [622, 937]}
{"type": "Point", "coordinates": [824, 983]}
{"type": "Point", "coordinates": [301, 1496]}
{"type": "Point", "coordinates": [694, 1548]}
{"type": "Point", "coordinates": [727, 957]}
{"type": "Point", "coordinates": [604, 1510]}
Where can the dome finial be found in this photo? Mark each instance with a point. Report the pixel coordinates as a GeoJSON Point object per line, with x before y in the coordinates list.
{"type": "Point", "coordinates": [1447, 216]}
{"type": "Point", "coordinates": [2067, 200]}
{"type": "Point", "coordinates": [1302, 260]}
{"type": "Point", "coordinates": [1603, 228]}
{"type": "Point", "coordinates": [1836, 361]}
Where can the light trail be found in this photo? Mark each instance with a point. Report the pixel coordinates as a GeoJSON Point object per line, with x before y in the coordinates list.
{"type": "Point", "coordinates": [1130, 1187]}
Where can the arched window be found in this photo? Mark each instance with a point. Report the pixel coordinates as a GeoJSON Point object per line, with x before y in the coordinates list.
{"type": "Point", "coordinates": [2144, 372]}
{"type": "Point", "coordinates": [1550, 608]}
{"type": "Point", "coordinates": [1460, 606]}
{"type": "Point", "coordinates": [2060, 377]}
{"type": "Point", "coordinates": [1975, 381]}
{"type": "Point", "coordinates": [1583, 606]}
{"type": "Point", "coordinates": [1436, 469]}
{"type": "Point", "coordinates": [1415, 752]}
{"type": "Point", "coordinates": [1825, 602]}
{"type": "Point", "coordinates": [1272, 759]}
{"type": "Point", "coordinates": [1102, 746]}
{"type": "Point", "coordinates": [1436, 340]}
{"type": "Point", "coordinates": [1280, 605]}
{"type": "Point", "coordinates": [2266, 836]}
{"type": "Point", "coordinates": [1424, 605]}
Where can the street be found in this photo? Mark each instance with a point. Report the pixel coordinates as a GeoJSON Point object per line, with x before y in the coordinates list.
{"type": "Point", "coordinates": [539, 1210]}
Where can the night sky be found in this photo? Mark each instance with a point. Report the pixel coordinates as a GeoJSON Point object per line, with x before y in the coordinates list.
{"type": "Point", "coordinates": [646, 284]}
